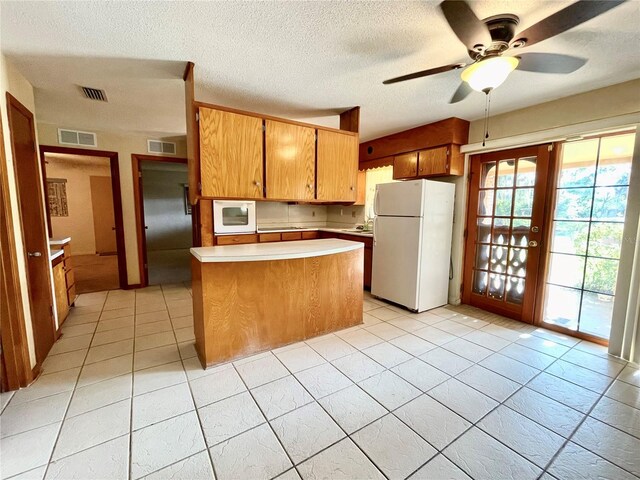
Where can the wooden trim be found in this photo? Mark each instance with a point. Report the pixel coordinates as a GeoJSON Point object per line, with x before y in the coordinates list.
{"type": "Point", "coordinates": [380, 162]}
{"type": "Point", "coordinates": [138, 206]}
{"type": "Point", "coordinates": [270, 117]}
{"type": "Point", "coordinates": [350, 120]}
{"type": "Point", "coordinates": [193, 134]}
{"type": "Point", "coordinates": [15, 348]}
{"type": "Point", "coordinates": [117, 198]}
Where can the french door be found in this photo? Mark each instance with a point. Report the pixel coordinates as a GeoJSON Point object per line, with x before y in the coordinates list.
{"type": "Point", "coordinates": [505, 228]}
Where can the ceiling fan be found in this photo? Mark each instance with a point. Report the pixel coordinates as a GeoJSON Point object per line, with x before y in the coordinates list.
{"type": "Point", "coordinates": [488, 40]}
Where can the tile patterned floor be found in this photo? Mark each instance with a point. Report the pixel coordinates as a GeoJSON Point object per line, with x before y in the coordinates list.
{"type": "Point", "coordinates": [451, 393]}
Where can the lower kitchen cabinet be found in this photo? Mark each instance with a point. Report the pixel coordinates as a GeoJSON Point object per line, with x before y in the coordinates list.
{"type": "Point", "coordinates": [368, 251]}
{"type": "Point", "coordinates": [60, 287]}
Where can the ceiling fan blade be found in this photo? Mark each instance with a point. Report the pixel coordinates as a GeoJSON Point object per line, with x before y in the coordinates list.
{"type": "Point", "coordinates": [469, 29]}
{"type": "Point", "coordinates": [424, 73]}
{"type": "Point", "coordinates": [566, 19]}
{"type": "Point", "coordinates": [462, 92]}
{"type": "Point", "coordinates": [550, 63]}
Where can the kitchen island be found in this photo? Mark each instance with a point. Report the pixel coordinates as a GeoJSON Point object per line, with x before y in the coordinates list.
{"type": "Point", "coordinates": [252, 298]}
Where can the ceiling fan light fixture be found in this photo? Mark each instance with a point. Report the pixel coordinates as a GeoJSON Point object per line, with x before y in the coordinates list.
{"type": "Point", "coordinates": [489, 73]}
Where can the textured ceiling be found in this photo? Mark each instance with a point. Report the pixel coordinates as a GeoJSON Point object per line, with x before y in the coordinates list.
{"type": "Point", "coordinates": [294, 59]}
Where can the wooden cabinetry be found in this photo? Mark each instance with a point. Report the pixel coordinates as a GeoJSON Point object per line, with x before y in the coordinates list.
{"type": "Point", "coordinates": [60, 290]}
{"type": "Point", "coordinates": [337, 166]}
{"type": "Point", "coordinates": [236, 239]}
{"type": "Point", "coordinates": [361, 195]}
{"type": "Point", "coordinates": [405, 166]}
{"type": "Point", "coordinates": [368, 251]}
{"type": "Point", "coordinates": [290, 160]}
{"type": "Point", "coordinates": [230, 154]}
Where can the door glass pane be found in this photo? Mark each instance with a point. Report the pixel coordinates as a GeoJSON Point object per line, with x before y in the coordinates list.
{"type": "Point", "coordinates": [517, 261]}
{"type": "Point", "coordinates": [601, 275]}
{"type": "Point", "coordinates": [480, 280]}
{"type": "Point", "coordinates": [605, 239]}
{"type": "Point", "coordinates": [482, 257]}
{"type": "Point", "coordinates": [520, 228]}
{"type": "Point", "coordinates": [570, 237]}
{"type": "Point", "coordinates": [526, 172]}
{"type": "Point", "coordinates": [496, 286]}
{"type": "Point", "coordinates": [500, 231]}
{"type": "Point", "coordinates": [523, 206]}
{"type": "Point", "coordinates": [586, 251]}
{"type": "Point", "coordinates": [562, 306]}
{"type": "Point", "coordinates": [610, 203]}
{"type": "Point", "coordinates": [515, 290]}
{"type": "Point", "coordinates": [578, 167]}
{"type": "Point", "coordinates": [488, 179]}
{"type": "Point", "coordinates": [596, 314]}
{"type": "Point", "coordinates": [573, 204]}
{"type": "Point", "coordinates": [485, 202]}
{"type": "Point", "coordinates": [503, 203]}
{"type": "Point", "coordinates": [566, 270]}
{"type": "Point", "coordinates": [506, 171]}
{"type": "Point", "coordinates": [484, 230]}
{"type": "Point", "coordinates": [498, 261]}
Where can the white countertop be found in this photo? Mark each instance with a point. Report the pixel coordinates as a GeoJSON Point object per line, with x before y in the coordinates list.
{"type": "Point", "coordinates": [59, 241]}
{"type": "Point", "coordinates": [55, 254]}
{"type": "Point", "coordinates": [255, 252]}
{"type": "Point", "coordinates": [344, 231]}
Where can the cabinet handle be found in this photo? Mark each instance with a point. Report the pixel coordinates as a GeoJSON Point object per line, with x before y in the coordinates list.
{"type": "Point", "coordinates": [256, 183]}
{"type": "Point", "coordinates": [309, 186]}
{"type": "Point", "coordinates": [351, 187]}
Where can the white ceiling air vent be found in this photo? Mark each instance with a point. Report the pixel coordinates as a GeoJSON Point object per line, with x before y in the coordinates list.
{"type": "Point", "coordinates": [158, 146]}
{"type": "Point", "coordinates": [94, 94]}
{"type": "Point", "coordinates": [76, 137]}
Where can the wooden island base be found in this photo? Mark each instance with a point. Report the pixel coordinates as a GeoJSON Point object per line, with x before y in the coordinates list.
{"type": "Point", "coordinates": [245, 307]}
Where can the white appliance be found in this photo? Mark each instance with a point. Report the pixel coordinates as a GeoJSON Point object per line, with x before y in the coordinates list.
{"type": "Point", "coordinates": [234, 216]}
{"type": "Point", "coordinates": [412, 243]}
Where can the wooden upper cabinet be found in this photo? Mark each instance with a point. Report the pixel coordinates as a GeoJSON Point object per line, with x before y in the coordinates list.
{"type": "Point", "coordinates": [337, 166]}
{"type": "Point", "coordinates": [434, 161]}
{"type": "Point", "coordinates": [290, 161]}
{"type": "Point", "coordinates": [361, 195]}
{"type": "Point", "coordinates": [405, 166]}
{"type": "Point", "coordinates": [230, 154]}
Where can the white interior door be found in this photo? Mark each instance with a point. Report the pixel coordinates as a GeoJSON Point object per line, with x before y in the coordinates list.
{"type": "Point", "coordinates": [396, 251]}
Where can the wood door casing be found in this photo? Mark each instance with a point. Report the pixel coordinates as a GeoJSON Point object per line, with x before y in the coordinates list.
{"type": "Point", "coordinates": [337, 166]}
{"type": "Point", "coordinates": [290, 161]}
{"type": "Point", "coordinates": [104, 224]}
{"type": "Point", "coordinates": [32, 216]}
{"type": "Point", "coordinates": [231, 151]}
{"type": "Point", "coordinates": [498, 232]}
{"type": "Point", "coordinates": [405, 166]}
{"type": "Point", "coordinates": [434, 161]}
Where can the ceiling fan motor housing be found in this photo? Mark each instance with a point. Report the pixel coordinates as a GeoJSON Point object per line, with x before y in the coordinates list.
{"type": "Point", "coordinates": [502, 30]}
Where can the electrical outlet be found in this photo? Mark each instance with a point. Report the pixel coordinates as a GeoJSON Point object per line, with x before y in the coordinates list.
{"type": "Point", "coordinates": [341, 212]}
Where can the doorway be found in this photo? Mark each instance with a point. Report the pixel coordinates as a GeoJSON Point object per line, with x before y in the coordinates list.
{"type": "Point", "coordinates": [83, 203]}
{"type": "Point", "coordinates": [32, 218]}
{"type": "Point", "coordinates": [164, 218]}
{"type": "Point", "coordinates": [505, 226]}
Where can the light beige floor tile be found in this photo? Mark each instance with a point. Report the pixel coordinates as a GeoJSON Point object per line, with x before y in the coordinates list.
{"type": "Point", "coordinates": [155, 378]}
{"type": "Point", "coordinates": [151, 305]}
{"type": "Point", "coordinates": [543, 345]}
{"type": "Point", "coordinates": [435, 335]}
{"type": "Point", "coordinates": [63, 361]}
{"type": "Point", "coordinates": [385, 331]}
{"type": "Point", "coordinates": [534, 442]}
{"type": "Point", "coordinates": [107, 460]}
{"type": "Point", "coordinates": [420, 374]}
{"type": "Point", "coordinates": [359, 338]}
{"type": "Point", "coordinates": [387, 354]}
{"type": "Point", "coordinates": [229, 417]}
{"type": "Point", "coordinates": [389, 389]}
{"type": "Point", "coordinates": [510, 368]}
{"type": "Point", "coordinates": [408, 324]}
{"type": "Point", "coordinates": [300, 359]}
{"type": "Point", "coordinates": [333, 348]}
{"type": "Point", "coordinates": [46, 385]}
{"type": "Point", "coordinates": [112, 336]}
{"type": "Point", "coordinates": [155, 356]}
{"type": "Point", "coordinates": [580, 376]}
{"type": "Point", "coordinates": [469, 350]}
{"type": "Point", "coordinates": [412, 344]}
{"type": "Point", "coordinates": [358, 366]}
{"type": "Point", "coordinates": [490, 383]}
{"type": "Point", "coordinates": [185, 334]}
{"type": "Point", "coordinates": [116, 310]}
{"type": "Point", "coordinates": [154, 340]}
{"type": "Point", "coordinates": [92, 428]}
{"type": "Point", "coordinates": [625, 393]}
{"type": "Point", "coordinates": [384, 313]}
{"type": "Point", "coordinates": [446, 361]}
{"type": "Point", "coordinates": [165, 443]}
{"type": "Point", "coordinates": [27, 450]}
{"type": "Point", "coordinates": [432, 420]}
{"type": "Point", "coordinates": [483, 457]}
{"type": "Point", "coordinates": [575, 462]}
{"type": "Point", "coordinates": [462, 399]}
{"type": "Point", "coordinates": [153, 327]}
{"type": "Point", "coordinates": [182, 322]}
{"type": "Point", "coordinates": [65, 345]}
{"type": "Point", "coordinates": [393, 447]}
{"type": "Point", "coordinates": [110, 350]}
{"type": "Point", "coordinates": [159, 405]}
{"type": "Point", "coordinates": [340, 461]}
{"type": "Point", "coordinates": [352, 408]}
{"type": "Point", "coordinates": [486, 340]}
{"type": "Point", "coordinates": [197, 466]}
{"type": "Point", "coordinates": [526, 355]}
{"type": "Point", "coordinates": [100, 394]}
{"type": "Point", "coordinates": [281, 396]}
{"type": "Point", "coordinates": [565, 392]}
{"type": "Point", "coordinates": [323, 380]}
{"type": "Point", "coordinates": [630, 374]}
{"type": "Point", "coordinates": [77, 330]}
{"type": "Point", "coordinates": [618, 415]}
{"type": "Point", "coordinates": [100, 371]}
{"type": "Point", "coordinates": [115, 324]}
{"type": "Point", "coordinates": [151, 317]}
{"type": "Point", "coordinates": [610, 366]}
{"type": "Point", "coordinates": [306, 431]}
{"type": "Point", "coordinates": [440, 467]}
{"type": "Point", "coordinates": [556, 337]}
{"type": "Point", "coordinates": [21, 417]}
{"type": "Point", "coordinates": [216, 386]}
{"type": "Point", "coordinates": [187, 350]}
{"type": "Point", "coordinates": [455, 328]}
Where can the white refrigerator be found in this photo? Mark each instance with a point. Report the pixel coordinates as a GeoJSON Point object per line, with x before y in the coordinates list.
{"type": "Point", "coordinates": [412, 243]}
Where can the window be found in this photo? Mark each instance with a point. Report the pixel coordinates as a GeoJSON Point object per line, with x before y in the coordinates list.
{"type": "Point", "coordinates": [588, 221]}
{"type": "Point", "coordinates": [374, 177]}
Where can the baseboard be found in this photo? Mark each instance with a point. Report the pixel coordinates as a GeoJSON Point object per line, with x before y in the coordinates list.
{"type": "Point", "coordinates": [133, 286]}
{"type": "Point", "coordinates": [35, 371]}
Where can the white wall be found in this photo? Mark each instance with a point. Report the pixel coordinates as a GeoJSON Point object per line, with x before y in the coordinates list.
{"type": "Point", "coordinates": [125, 145]}
{"type": "Point", "coordinates": [79, 224]}
{"type": "Point", "coordinates": [13, 82]}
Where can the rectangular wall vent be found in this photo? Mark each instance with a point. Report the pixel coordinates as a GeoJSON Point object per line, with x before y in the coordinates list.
{"type": "Point", "coordinates": [76, 137]}
{"type": "Point", "coordinates": [94, 94]}
{"type": "Point", "coordinates": [158, 146]}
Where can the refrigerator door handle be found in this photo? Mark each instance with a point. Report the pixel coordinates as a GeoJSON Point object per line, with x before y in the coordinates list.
{"type": "Point", "coordinates": [374, 229]}
{"type": "Point", "coordinates": [375, 201]}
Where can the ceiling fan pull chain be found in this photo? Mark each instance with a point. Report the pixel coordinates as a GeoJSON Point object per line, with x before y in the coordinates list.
{"type": "Point", "coordinates": [487, 107]}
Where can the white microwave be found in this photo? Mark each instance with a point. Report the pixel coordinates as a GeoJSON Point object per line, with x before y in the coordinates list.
{"type": "Point", "coordinates": [234, 216]}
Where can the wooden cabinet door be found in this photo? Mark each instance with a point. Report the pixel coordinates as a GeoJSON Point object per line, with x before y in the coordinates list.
{"type": "Point", "coordinates": [434, 161]}
{"type": "Point", "coordinates": [60, 287]}
{"type": "Point", "coordinates": [405, 166]}
{"type": "Point", "coordinates": [361, 195]}
{"type": "Point", "coordinates": [290, 161]}
{"type": "Point", "coordinates": [230, 155]}
{"type": "Point", "coordinates": [337, 166]}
